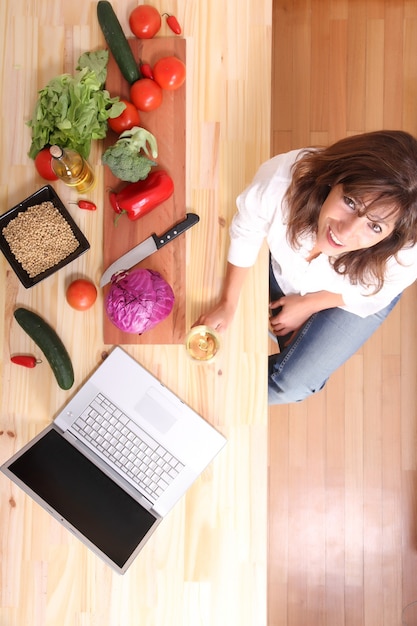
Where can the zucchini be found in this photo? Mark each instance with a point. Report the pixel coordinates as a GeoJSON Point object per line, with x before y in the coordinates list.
{"type": "Point", "coordinates": [51, 345]}
{"type": "Point", "coordinates": [117, 42]}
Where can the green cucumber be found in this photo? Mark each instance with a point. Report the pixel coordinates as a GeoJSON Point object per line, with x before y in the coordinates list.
{"type": "Point", "coordinates": [117, 42]}
{"type": "Point", "coordinates": [51, 345]}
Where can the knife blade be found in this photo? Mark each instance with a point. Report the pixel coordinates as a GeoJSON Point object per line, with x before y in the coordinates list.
{"type": "Point", "coordinates": [148, 247]}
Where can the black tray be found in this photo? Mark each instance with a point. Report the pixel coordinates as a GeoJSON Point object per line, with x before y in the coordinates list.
{"type": "Point", "coordinates": [44, 194]}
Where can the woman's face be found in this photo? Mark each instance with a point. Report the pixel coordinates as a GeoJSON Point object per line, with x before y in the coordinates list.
{"type": "Point", "coordinates": [341, 229]}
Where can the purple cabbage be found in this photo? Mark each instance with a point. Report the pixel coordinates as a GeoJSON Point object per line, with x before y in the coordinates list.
{"type": "Point", "coordinates": [138, 300]}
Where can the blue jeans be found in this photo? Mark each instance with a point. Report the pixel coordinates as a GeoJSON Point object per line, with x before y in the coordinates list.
{"type": "Point", "coordinates": [322, 345]}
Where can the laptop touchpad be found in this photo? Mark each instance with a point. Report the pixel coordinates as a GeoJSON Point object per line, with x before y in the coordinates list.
{"type": "Point", "coordinates": [157, 410]}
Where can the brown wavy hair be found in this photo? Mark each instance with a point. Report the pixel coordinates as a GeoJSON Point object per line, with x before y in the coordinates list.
{"type": "Point", "coordinates": [381, 165]}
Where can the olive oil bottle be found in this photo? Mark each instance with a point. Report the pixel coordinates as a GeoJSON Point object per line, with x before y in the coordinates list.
{"type": "Point", "coordinates": [72, 169]}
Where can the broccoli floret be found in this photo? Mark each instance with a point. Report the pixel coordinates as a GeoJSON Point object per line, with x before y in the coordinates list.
{"type": "Point", "coordinates": [124, 158]}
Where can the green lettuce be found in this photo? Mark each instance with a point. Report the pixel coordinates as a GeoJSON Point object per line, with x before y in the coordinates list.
{"type": "Point", "coordinates": [71, 111]}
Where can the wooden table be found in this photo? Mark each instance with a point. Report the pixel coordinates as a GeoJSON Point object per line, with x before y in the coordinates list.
{"type": "Point", "coordinates": [206, 564]}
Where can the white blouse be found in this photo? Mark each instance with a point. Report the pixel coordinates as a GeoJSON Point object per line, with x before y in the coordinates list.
{"type": "Point", "coordinates": [261, 215]}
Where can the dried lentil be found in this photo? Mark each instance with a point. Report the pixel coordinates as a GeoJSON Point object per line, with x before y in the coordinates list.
{"type": "Point", "coordinates": [39, 238]}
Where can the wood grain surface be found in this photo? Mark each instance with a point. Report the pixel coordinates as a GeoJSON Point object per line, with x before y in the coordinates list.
{"type": "Point", "coordinates": [206, 564]}
{"type": "Point", "coordinates": [167, 124]}
{"type": "Point", "coordinates": [343, 464]}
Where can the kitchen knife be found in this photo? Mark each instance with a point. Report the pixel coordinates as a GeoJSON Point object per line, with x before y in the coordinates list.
{"type": "Point", "coordinates": [147, 247]}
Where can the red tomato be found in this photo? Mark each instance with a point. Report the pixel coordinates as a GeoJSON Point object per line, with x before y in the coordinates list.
{"type": "Point", "coordinates": [169, 73]}
{"type": "Point", "coordinates": [127, 119]}
{"type": "Point", "coordinates": [81, 294]}
{"type": "Point", "coordinates": [43, 164]}
{"type": "Point", "coordinates": [146, 94]}
{"type": "Point", "coordinates": [145, 21]}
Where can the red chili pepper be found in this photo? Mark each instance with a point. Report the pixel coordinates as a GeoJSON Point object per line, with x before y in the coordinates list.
{"type": "Point", "coordinates": [137, 199]}
{"type": "Point", "coordinates": [173, 23]}
{"type": "Point", "coordinates": [85, 204]}
{"type": "Point", "coordinates": [146, 70]}
{"type": "Point", "coordinates": [26, 360]}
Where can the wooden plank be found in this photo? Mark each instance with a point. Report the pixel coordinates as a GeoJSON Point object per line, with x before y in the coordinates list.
{"type": "Point", "coordinates": [369, 420]}
{"type": "Point", "coordinates": [167, 123]}
{"type": "Point", "coordinates": [206, 565]}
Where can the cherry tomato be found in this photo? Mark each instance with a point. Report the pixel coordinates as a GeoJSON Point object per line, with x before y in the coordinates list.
{"type": "Point", "coordinates": [81, 294]}
{"type": "Point", "coordinates": [146, 94]}
{"type": "Point", "coordinates": [127, 119]}
{"type": "Point", "coordinates": [169, 73]}
{"type": "Point", "coordinates": [145, 21]}
{"type": "Point", "coordinates": [43, 164]}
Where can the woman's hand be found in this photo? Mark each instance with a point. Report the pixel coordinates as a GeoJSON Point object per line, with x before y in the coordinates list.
{"type": "Point", "coordinates": [218, 318]}
{"type": "Point", "coordinates": [296, 310]}
{"type": "Point", "coordinates": [221, 315]}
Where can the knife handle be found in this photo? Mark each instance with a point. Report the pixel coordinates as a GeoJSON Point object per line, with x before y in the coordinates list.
{"type": "Point", "coordinates": [169, 235]}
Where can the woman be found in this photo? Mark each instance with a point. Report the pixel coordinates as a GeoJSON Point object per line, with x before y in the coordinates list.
{"type": "Point", "coordinates": [341, 226]}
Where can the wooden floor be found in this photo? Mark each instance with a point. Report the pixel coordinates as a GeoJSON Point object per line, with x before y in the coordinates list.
{"type": "Point", "coordinates": [343, 480]}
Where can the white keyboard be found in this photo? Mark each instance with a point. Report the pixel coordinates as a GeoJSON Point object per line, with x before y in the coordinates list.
{"type": "Point", "coordinates": [111, 432]}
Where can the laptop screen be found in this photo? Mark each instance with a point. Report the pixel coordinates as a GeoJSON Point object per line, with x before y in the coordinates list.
{"type": "Point", "coordinates": [84, 496]}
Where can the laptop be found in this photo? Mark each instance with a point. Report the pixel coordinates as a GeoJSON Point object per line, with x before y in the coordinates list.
{"type": "Point", "coordinates": [116, 459]}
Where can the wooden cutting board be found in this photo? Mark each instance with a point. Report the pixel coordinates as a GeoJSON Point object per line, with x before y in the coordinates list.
{"type": "Point", "coordinates": [167, 123]}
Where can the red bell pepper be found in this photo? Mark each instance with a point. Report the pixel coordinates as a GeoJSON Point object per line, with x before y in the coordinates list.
{"type": "Point", "coordinates": [137, 199]}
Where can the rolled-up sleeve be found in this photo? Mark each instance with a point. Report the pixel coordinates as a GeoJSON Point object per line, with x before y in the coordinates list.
{"type": "Point", "coordinates": [248, 230]}
{"type": "Point", "coordinates": [259, 206]}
